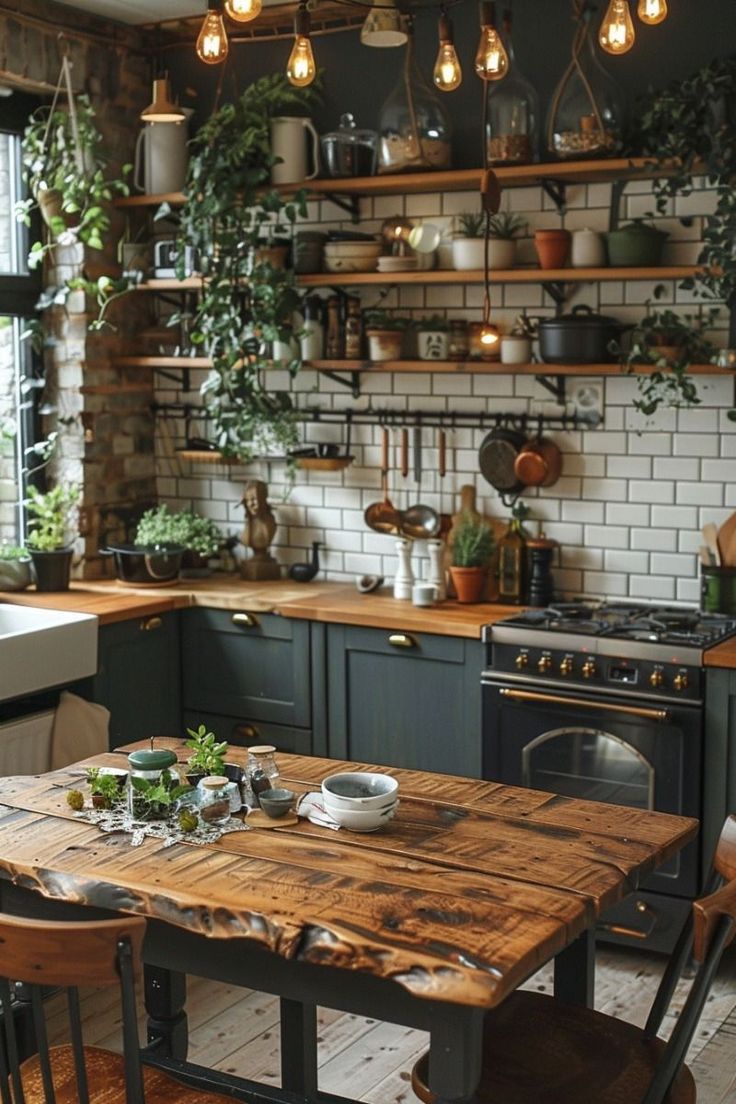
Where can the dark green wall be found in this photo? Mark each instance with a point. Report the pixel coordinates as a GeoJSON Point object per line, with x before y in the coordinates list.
{"type": "Point", "coordinates": [359, 79]}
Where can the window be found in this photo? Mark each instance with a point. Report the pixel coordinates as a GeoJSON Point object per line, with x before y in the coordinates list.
{"type": "Point", "coordinates": [19, 290]}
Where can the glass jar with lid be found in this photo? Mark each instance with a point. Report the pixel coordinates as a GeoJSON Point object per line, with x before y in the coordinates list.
{"type": "Point", "coordinates": [458, 342]}
{"type": "Point", "coordinates": [349, 151]}
{"type": "Point", "coordinates": [261, 771]}
{"type": "Point", "coordinates": [150, 768]}
{"type": "Point", "coordinates": [214, 800]}
{"type": "Point", "coordinates": [512, 126]}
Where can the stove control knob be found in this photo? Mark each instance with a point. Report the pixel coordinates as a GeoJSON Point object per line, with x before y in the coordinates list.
{"type": "Point", "coordinates": [566, 666]}
{"type": "Point", "coordinates": [680, 682]}
{"type": "Point", "coordinates": [521, 661]}
{"type": "Point", "coordinates": [544, 664]}
{"type": "Point", "coordinates": [656, 679]}
{"type": "Point", "coordinates": [589, 669]}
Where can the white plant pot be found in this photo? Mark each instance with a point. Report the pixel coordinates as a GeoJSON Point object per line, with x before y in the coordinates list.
{"type": "Point", "coordinates": [285, 351]}
{"type": "Point", "coordinates": [468, 254]}
{"type": "Point", "coordinates": [384, 345]}
{"type": "Point", "coordinates": [501, 253]}
{"type": "Point", "coordinates": [432, 345]}
{"type": "Point", "coordinates": [516, 350]}
{"type": "Point", "coordinates": [588, 249]}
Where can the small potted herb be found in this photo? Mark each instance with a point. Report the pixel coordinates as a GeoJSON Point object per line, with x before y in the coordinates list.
{"type": "Point", "coordinates": [385, 334]}
{"type": "Point", "coordinates": [52, 527]}
{"type": "Point", "coordinates": [471, 554]}
{"type": "Point", "coordinates": [670, 343]}
{"type": "Point", "coordinates": [432, 337]}
{"type": "Point", "coordinates": [107, 789]}
{"type": "Point", "coordinates": [468, 245]}
{"type": "Point", "coordinates": [15, 568]}
{"type": "Point", "coordinates": [208, 756]}
{"type": "Point", "coordinates": [200, 536]}
{"type": "Point", "coordinates": [504, 229]}
{"type": "Point", "coordinates": [516, 346]}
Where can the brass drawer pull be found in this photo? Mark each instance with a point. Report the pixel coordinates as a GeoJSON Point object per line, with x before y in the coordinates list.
{"type": "Point", "coordinates": [150, 624]}
{"type": "Point", "coordinates": [246, 732]}
{"type": "Point", "coordinates": [402, 640]}
{"type": "Point", "coordinates": [245, 619]}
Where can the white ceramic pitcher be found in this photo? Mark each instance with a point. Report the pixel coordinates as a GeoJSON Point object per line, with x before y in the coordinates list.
{"type": "Point", "coordinates": [289, 144]}
{"type": "Point", "coordinates": [161, 157]}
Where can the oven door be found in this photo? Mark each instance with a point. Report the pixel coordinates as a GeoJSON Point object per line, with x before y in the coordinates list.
{"type": "Point", "coordinates": [624, 751]}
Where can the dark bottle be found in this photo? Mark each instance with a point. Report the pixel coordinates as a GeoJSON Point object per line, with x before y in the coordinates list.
{"type": "Point", "coordinates": [353, 330]}
{"type": "Point", "coordinates": [259, 781]}
{"type": "Point", "coordinates": [541, 583]}
{"type": "Point", "coordinates": [334, 343]}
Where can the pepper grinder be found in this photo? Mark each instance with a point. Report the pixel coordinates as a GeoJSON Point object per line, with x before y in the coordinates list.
{"type": "Point", "coordinates": [541, 583]}
{"type": "Point", "coordinates": [404, 578]}
{"type": "Point", "coordinates": [436, 571]}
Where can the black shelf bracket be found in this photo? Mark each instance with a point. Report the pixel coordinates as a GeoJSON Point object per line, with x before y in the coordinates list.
{"type": "Point", "coordinates": [349, 203]}
{"type": "Point", "coordinates": [556, 387]}
{"type": "Point", "coordinates": [182, 379]}
{"type": "Point", "coordinates": [557, 290]}
{"type": "Point", "coordinates": [351, 380]}
{"type": "Point", "coordinates": [557, 192]}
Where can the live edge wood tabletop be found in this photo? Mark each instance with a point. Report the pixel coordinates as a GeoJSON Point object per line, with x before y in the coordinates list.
{"type": "Point", "coordinates": [454, 904]}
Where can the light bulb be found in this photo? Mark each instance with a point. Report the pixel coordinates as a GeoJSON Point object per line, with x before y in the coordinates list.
{"type": "Point", "coordinates": [301, 69]}
{"type": "Point", "coordinates": [242, 11]}
{"type": "Point", "coordinates": [652, 11]}
{"type": "Point", "coordinates": [491, 59]}
{"type": "Point", "coordinates": [489, 335]}
{"type": "Point", "coordinates": [617, 34]}
{"type": "Point", "coordinates": [212, 44]}
{"type": "Point", "coordinates": [447, 73]}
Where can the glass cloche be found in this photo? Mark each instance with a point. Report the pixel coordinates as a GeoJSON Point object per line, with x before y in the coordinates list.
{"type": "Point", "coordinates": [414, 130]}
{"type": "Point", "coordinates": [512, 126]}
{"type": "Point", "coordinates": [586, 113]}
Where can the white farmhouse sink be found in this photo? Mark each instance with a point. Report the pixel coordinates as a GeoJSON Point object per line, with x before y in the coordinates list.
{"type": "Point", "coordinates": [40, 648]}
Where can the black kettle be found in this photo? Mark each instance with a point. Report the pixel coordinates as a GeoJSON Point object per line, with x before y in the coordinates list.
{"type": "Point", "coordinates": [305, 572]}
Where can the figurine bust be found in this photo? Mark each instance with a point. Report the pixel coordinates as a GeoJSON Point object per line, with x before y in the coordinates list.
{"type": "Point", "coordinates": [260, 529]}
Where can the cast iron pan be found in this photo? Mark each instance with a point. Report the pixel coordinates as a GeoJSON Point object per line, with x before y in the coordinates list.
{"type": "Point", "coordinates": [496, 459]}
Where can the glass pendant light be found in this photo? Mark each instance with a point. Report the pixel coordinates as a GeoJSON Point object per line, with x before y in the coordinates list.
{"type": "Point", "coordinates": [652, 11]}
{"type": "Point", "coordinates": [616, 34]}
{"type": "Point", "coordinates": [243, 11]}
{"type": "Point", "coordinates": [301, 69]}
{"type": "Point", "coordinates": [512, 119]}
{"type": "Point", "coordinates": [212, 44]}
{"type": "Point", "coordinates": [491, 59]}
{"type": "Point", "coordinates": [447, 73]}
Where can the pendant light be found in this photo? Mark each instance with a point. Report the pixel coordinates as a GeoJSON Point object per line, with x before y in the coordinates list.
{"type": "Point", "coordinates": [490, 201]}
{"type": "Point", "coordinates": [652, 11]}
{"type": "Point", "coordinates": [300, 68]}
{"type": "Point", "coordinates": [491, 59]}
{"type": "Point", "coordinates": [162, 109]}
{"type": "Point", "coordinates": [383, 25]}
{"type": "Point", "coordinates": [616, 35]}
{"type": "Point", "coordinates": [243, 11]}
{"type": "Point", "coordinates": [212, 44]}
{"type": "Point", "coordinates": [447, 73]}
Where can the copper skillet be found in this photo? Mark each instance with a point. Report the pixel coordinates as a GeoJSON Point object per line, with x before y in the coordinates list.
{"type": "Point", "coordinates": [383, 517]}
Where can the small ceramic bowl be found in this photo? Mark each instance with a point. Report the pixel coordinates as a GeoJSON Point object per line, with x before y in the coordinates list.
{"type": "Point", "coordinates": [276, 802]}
{"type": "Point", "coordinates": [360, 790]}
{"type": "Point", "coordinates": [361, 820]}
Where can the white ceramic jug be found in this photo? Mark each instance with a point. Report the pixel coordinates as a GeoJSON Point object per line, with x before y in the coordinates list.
{"type": "Point", "coordinates": [289, 144]}
{"type": "Point", "coordinates": [161, 157]}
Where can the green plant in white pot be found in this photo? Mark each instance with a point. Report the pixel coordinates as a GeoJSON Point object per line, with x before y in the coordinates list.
{"type": "Point", "coordinates": [15, 568]}
{"type": "Point", "coordinates": [505, 227]}
{"type": "Point", "coordinates": [385, 333]}
{"type": "Point", "coordinates": [468, 245]}
{"type": "Point", "coordinates": [52, 527]}
{"type": "Point", "coordinates": [432, 337]}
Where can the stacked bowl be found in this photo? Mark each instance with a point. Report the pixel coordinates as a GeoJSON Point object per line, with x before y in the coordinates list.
{"type": "Point", "coordinates": [352, 256]}
{"type": "Point", "coordinates": [360, 800]}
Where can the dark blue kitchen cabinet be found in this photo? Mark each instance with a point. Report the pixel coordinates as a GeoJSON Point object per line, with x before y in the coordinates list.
{"type": "Point", "coordinates": [242, 732]}
{"type": "Point", "coordinates": [139, 677]}
{"type": "Point", "coordinates": [404, 699]}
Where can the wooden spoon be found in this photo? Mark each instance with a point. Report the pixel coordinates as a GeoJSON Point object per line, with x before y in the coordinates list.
{"type": "Point", "coordinates": [726, 536]}
{"type": "Point", "coordinates": [710, 539]}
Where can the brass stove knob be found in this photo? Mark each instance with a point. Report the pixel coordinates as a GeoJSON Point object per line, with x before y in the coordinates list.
{"type": "Point", "coordinates": [566, 666]}
{"type": "Point", "coordinates": [589, 669]}
{"type": "Point", "coordinates": [680, 681]}
{"type": "Point", "coordinates": [544, 664]}
{"type": "Point", "coordinates": [521, 661]}
{"type": "Point", "coordinates": [656, 679]}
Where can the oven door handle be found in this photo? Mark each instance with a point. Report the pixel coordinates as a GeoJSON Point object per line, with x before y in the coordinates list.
{"type": "Point", "coordinates": [580, 703]}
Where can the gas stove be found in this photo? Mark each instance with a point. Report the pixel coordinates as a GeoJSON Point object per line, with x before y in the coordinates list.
{"type": "Point", "coordinates": [618, 647]}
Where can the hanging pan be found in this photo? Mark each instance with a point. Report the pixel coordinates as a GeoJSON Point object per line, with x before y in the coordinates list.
{"type": "Point", "coordinates": [496, 460]}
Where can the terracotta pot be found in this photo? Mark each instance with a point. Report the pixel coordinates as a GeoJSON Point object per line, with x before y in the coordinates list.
{"type": "Point", "coordinates": [275, 255]}
{"type": "Point", "coordinates": [469, 583]}
{"type": "Point", "coordinates": [553, 247]}
{"type": "Point", "coordinates": [384, 344]}
{"type": "Point", "coordinates": [538, 463]}
{"type": "Point", "coordinates": [672, 354]}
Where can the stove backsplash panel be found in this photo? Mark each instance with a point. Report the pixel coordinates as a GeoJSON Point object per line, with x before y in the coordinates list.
{"type": "Point", "coordinates": [633, 494]}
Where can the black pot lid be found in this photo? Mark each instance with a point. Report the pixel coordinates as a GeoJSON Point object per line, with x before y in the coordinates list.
{"type": "Point", "coordinates": [580, 317]}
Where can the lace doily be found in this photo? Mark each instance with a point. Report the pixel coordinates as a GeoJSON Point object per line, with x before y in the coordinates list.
{"type": "Point", "coordinates": [119, 820]}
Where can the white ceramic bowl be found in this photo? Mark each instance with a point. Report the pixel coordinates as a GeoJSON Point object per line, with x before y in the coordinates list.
{"type": "Point", "coordinates": [350, 264]}
{"type": "Point", "coordinates": [360, 790]}
{"type": "Point", "coordinates": [361, 820]}
{"type": "Point", "coordinates": [353, 248]}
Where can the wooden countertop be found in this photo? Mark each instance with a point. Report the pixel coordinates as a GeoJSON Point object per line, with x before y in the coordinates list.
{"type": "Point", "coordinates": [337, 603]}
{"type": "Point", "coordinates": [722, 655]}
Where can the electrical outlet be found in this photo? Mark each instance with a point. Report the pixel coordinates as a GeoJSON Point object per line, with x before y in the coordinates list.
{"type": "Point", "coordinates": [585, 397]}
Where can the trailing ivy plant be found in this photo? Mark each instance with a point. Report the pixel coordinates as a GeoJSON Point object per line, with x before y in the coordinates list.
{"type": "Point", "coordinates": [246, 302]}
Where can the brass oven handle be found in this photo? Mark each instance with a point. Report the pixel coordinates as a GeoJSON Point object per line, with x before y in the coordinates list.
{"type": "Point", "coordinates": [245, 619]}
{"type": "Point", "coordinates": [402, 640]}
{"type": "Point", "coordinates": [609, 707]}
{"type": "Point", "coordinates": [150, 624]}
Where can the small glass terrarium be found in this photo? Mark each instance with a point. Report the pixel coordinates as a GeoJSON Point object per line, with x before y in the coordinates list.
{"type": "Point", "coordinates": [512, 127]}
{"type": "Point", "coordinates": [152, 783]}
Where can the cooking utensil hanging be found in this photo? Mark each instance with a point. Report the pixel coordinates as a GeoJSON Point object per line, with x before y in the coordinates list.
{"type": "Point", "coordinates": [539, 462]}
{"type": "Point", "coordinates": [497, 458]}
{"type": "Point", "coordinates": [383, 517]}
{"type": "Point", "coordinates": [419, 522]}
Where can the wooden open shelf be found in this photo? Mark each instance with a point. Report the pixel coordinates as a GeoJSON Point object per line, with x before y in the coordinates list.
{"type": "Point", "coordinates": [115, 388]}
{"type": "Point", "coordinates": [162, 362]}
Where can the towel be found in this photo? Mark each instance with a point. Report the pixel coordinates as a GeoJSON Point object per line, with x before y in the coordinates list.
{"type": "Point", "coordinates": [310, 806]}
{"type": "Point", "coordinates": [80, 730]}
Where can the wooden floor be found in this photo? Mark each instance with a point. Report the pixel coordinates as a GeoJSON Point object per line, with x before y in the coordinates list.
{"type": "Point", "coordinates": [237, 1030]}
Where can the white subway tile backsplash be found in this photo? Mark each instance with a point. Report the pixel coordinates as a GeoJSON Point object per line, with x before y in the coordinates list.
{"type": "Point", "coordinates": [654, 540]}
{"type": "Point", "coordinates": [630, 562]}
{"type": "Point", "coordinates": [626, 514]}
{"type": "Point", "coordinates": [652, 491]}
{"type": "Point", "coordinates": [666, 563]}
{"type": "Point", "coordinates": [679, 517]}
{"type": "Point", "coordinates": [699, 494]}
{"type": "Point", "coordinates": [652, 587]}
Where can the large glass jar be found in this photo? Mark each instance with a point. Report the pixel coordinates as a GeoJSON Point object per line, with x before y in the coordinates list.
{"type": "Point", "coordinates": [414, 130]}
{"type": "Point", "coordinates": [586, 113]}
{"type": "Point", "coordinates": [512, 125]}
{"type": "Point", "coordinates": [149, 769]}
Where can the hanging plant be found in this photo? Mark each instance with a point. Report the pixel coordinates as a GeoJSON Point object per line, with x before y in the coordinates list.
{"type": "Point", "coordinates": [247, 303]}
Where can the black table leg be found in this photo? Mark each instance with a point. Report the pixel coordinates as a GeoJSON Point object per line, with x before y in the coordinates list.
{"type": "Point", "coordinates": [165, 997]}
{"type": "Point", "coordinates": [575, 971]}
{"type": "Point", "coordinates": [456, 1054]}
{"type": "Point", "coordinates": [299, 1048]}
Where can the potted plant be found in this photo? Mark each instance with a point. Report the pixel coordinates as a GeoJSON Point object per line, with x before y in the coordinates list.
{"type": "Point", "coordinates": [553, 247]}
{"type": "Point", "coordinates": [15, 568]}
{"type": "Point", "coordinates": [155, 799]}
{"type": "Point", "coordinates": [208, 756]}
{"type": "Point", "coordinates": [504, 229]}
{"type": "Point", "coordinates": [385, 333]}
{"type": "Point", "coordinates": [516, 346]}
{"type": "Point", "coordinates": [199, 535]}
{"type": "Point", "coordinates": [52, 527]}
{"type": "Point", "coordinates": [468, 245]}
{"type": "Point", "coordinates": [107, 790]}
{"type": "Point", "coordinates": [432, 337]}
{"type": "Point", "coordinates": [471, 553]}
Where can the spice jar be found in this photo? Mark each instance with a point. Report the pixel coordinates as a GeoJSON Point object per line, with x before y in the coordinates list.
{"type": "Point", "coordinates": [458, 346]}
{"type": "Point", "coordinates": [214, 800]}
{"type": "Point", "coordinates": [152, 766]}
{"type": "Point", "coordinates": [262, 757]}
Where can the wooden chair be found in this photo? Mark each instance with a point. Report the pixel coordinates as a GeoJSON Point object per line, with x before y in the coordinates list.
{"type": "Point", "coordinates": [538, 1050]}
{"type": "Point", "coordinates": [96, 953]}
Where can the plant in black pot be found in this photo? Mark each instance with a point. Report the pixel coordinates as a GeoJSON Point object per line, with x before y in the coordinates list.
{"type": "Point", "coordinates": [199, 536]}
{"type": "Point", "coordinates": [208, 755]}
{"type": "Point", "coordinates": [52, 526]}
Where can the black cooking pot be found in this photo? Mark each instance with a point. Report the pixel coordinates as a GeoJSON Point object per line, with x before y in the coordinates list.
{"type": "Point", "coordinates": [581, 337]}
{"type": "Point", "coordinates": [146, 564]}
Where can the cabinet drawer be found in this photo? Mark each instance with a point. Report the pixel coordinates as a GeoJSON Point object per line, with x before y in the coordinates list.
{"type": "Point", "coordinates": [245, 733]}
{"type": "Point", "coordinates": [237, 664]}
{"type": "Point", "coordinates": [396, 642]}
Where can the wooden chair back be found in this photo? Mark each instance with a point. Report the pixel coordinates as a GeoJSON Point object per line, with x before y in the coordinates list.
{"type": "Point", "coordinates": [41, 953]}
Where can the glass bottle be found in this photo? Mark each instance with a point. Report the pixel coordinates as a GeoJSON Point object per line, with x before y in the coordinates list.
{"type": "Point", "coordinates": [151, 765]}
{"type": "Point", "coordinates": [353, 330]}
{"type": "Point", "coordinates": [512, 558]}
{"type": "Point", "coordinates": [459, 343]}
{"type": "Point", "coordinates": [512, 127]}
{"type": "Point", "coordinates": [312, 339]}
{"type": "Point", "coordinates": [414, 129]}
{"type": "Point", "coordinates": [586, 114]}
{"type": "Point", "coordinates": [263, 757]}
{"type": "Point", "coordinates": [214, 800]}
{"type": "Point", "coordinates": [334, 345]}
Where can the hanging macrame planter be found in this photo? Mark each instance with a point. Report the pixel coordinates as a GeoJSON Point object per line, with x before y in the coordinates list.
{"type": "Point", "coordinates": [50, 200]}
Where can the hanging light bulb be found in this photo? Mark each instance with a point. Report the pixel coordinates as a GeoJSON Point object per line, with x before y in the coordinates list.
{"type": "Point", "coordinates": [447, 73]}
{"type": "Point", "coordinates": [300, 68]}
{"type": "Point", "coordinates": [212, 43]}
{"type": "Point", "coordinates": [491, 59]}
{"type": "Point", "coordinates": [242, 11]}
{"type": "Point", "coordinates": [652, 11]}
{"type": "Point", "coordinates": [617, 34]}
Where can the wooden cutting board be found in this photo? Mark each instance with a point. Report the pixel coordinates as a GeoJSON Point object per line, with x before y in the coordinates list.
{"type": "Point", "coordinates": [727, 541]}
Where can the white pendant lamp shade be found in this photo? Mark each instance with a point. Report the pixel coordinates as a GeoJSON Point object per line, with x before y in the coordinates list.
{"type": "Point", "coordinates": [162, 109]}
{"type": "Point", "coordinates": [383, 25]}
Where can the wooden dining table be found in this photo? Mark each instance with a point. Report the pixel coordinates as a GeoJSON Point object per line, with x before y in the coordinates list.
{"type": "Point", "coordinates": [428, 922]}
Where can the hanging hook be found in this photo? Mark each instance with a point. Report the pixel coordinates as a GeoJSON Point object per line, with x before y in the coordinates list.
{"type": "Point", "coordinates": [62, 42]}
